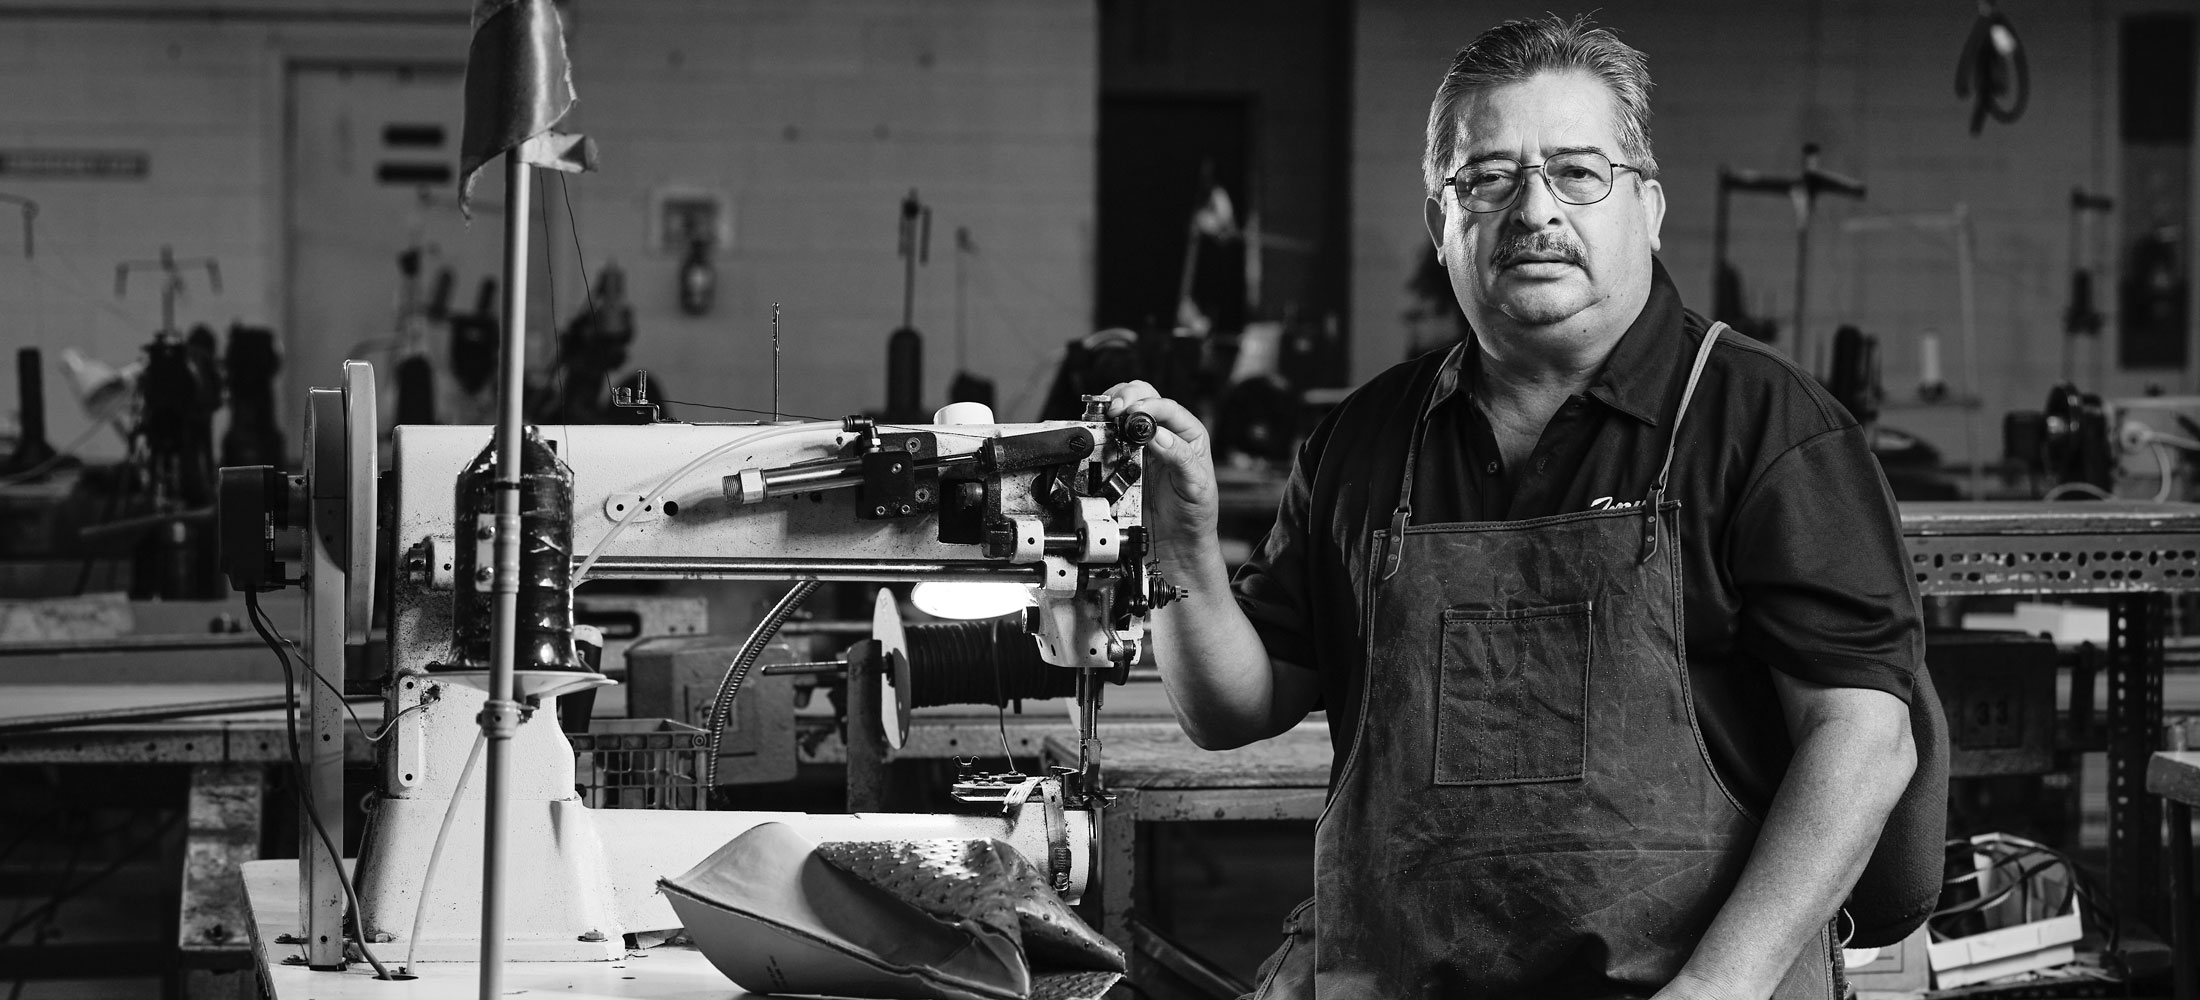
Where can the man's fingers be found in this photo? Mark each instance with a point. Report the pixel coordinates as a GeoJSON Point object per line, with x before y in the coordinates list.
{"type": "Point", "coordinates": [1176, 426]}
{"type": "Point", "coordinates": [1171, 415]}
{"type": "Point", "coordinates": [1122, 394]}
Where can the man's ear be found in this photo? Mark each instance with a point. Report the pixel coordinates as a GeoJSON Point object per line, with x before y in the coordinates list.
{"type": "Point", "coordinates": [1653, 210]}
{"type": "Point", "coordinates": [1432, 216]}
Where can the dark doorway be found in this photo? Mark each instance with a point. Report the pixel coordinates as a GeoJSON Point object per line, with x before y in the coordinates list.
{"type": "Point", "coordinates": [2157, 91]}
{"type": "Point", "coordinates": [1253, 95]}
{"type": "Point", "coordinates": [1159, 156]}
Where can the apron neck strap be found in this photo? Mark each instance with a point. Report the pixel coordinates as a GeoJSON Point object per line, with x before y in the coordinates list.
{"type": "Point", "coordinates": [1393, 547]}
{"type": "Point", "coordinates": [1695, 372]}
{"type": "Point", "coordinates": [1454, 363]}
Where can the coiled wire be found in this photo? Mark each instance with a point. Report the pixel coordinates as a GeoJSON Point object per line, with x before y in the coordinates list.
{"type": "Point", "coordinates": [721, 706]}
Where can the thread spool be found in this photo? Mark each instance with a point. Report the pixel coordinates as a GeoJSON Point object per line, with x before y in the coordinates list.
{"type": "Point", "coordinates": [980, 663]}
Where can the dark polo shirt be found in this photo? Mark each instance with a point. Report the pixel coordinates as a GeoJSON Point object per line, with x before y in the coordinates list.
{"type": "Point", "coordinates": [1792, 553]}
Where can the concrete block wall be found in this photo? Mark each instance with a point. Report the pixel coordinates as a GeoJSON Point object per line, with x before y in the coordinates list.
{"type": "Point", "coordinates": [197, 89]}
{"type": "Point", "coordinates": [814, 118]}
{"type": "Point", "coordinates": [1745, 85]}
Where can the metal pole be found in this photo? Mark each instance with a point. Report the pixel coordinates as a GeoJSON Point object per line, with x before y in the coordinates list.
{"type": "Point", "coordinates": [1968, 289]}
{"type": "Point", "coordinates": [500, 715]}
{"type": "Point", "coordinates": [1718, 246]}
{"type": "Point", "coordinates": [1803, 352]}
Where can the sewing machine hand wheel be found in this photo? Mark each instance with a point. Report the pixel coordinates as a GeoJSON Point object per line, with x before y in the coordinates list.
{"type": "Point", "coordinates": [361, 472]}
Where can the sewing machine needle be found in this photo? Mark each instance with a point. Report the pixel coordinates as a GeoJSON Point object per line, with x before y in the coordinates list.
{"type": "Point", "coordinates": [1088, 731]}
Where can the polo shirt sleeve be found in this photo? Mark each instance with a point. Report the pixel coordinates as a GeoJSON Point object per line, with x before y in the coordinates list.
{"type": "Point", "coordinates": [1818, 557]}
{"type": "Point", "coordinates": [1274, 587]}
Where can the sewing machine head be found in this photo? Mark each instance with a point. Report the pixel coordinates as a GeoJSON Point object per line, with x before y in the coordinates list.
{"type": "Point", "coordinates": [1053, 505]}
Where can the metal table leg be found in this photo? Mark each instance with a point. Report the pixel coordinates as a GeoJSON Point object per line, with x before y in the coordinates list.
{"type": "Point", "coordinates": [2134, 733]}
{"type": "Point", "coordinates": [223, 834]}
{"type": "Point", "coordinates": [2182, 901]}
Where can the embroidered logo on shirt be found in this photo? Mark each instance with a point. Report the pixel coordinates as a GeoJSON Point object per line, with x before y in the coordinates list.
{"type": "Point", "coordinates": [1605, 503]}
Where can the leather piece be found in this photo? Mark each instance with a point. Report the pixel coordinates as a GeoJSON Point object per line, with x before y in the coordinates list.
{"type": "Point", "coordinates": [776, 918]}
{"type": "Point", "coordinates": [1073, 985]}
{"type": "Point", "coordinates": [943, 921]}
{"type": "Point", "coordinates": [982, 880]}
{"type": "Point", "coordinates": [518, 82]}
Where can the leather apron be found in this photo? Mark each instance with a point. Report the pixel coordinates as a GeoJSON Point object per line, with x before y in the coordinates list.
{"type": "Point", "coordinates": [1527, 809]}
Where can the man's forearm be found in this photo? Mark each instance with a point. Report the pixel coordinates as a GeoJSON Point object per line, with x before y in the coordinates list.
{"type": "Point", "coordinates": [1217, 672]}
{"type": "Point", "coordinates": [1840, 787]}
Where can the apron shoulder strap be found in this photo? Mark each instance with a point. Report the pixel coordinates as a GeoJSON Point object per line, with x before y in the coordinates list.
{"type": "Point", "coordinates": [1393, 548]}
{"type": "Point", "coordinates": [1703, 355]}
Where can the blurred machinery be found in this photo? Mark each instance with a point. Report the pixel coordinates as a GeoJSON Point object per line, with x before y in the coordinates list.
{"type": "Point", "coordinates": [156, 506]}
{"type": "Point", "coordinates": [592, 350]}
{"type": "Point", "coordinates": [905, 346]}
{"type": "Point", "coordinates": [1802, 191]}
{"type": "Point", "coordinates": [1992, 72]}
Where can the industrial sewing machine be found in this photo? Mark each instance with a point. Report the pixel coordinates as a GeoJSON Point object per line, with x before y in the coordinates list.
{"type": "Point", "coordinates": [1055, 506]}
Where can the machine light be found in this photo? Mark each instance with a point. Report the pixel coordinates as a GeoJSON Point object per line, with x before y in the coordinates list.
{"type": "Point", "coordinates": [970, 600]}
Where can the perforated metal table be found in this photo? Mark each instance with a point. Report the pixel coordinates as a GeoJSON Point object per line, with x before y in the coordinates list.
{"type": "Point", "coordinates": [2134, 553]}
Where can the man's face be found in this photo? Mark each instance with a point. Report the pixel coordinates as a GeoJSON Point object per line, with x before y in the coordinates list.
{"type": "Point", "coordinates": [1542, 263]}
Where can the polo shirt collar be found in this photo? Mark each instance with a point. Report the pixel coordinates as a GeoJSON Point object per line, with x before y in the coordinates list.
{"type": "Point", "coordinates": [1638, 378]}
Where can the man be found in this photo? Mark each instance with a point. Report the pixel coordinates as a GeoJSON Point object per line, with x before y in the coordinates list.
{"type": "Point", "coordinates": [1609, 612]}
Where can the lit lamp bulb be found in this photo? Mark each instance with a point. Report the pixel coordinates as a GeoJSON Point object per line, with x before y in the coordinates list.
{"type": "Point", "coordinates": [970, 601]}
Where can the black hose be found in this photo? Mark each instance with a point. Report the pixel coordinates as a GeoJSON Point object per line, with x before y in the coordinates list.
{"type": "Point", "coordinates": [721, 706]}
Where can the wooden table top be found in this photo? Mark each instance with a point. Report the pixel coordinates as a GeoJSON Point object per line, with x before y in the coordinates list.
{"type": "Point", "coordinates": [2175, 774]}
{"type": "Point", "coordinates": [1159, 757]}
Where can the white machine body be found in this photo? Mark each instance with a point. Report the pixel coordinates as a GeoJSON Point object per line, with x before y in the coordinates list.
{"type": "Point", "coordinates": [582, 878]}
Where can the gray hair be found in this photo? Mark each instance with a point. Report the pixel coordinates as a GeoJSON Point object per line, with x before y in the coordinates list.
{"type": "Point", "coordinates": [1518, 50]}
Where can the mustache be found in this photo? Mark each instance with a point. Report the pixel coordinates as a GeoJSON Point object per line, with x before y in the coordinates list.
{"type": "Point", "coordinates": [1515, 247]}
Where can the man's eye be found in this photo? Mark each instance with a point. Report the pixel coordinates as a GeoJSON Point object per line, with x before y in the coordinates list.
{"type": "Point", "coordinates": [1487, 177]}
{"type": "Point", "coordinates": [1576, 173]}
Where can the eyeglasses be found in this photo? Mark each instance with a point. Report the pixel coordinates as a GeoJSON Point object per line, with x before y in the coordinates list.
{"type": "Point", "coordinates": [1492, 185]}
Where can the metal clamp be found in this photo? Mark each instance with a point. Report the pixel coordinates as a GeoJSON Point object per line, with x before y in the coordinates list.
{"type": "Point", "coordinates": [499, 719]}
{"type": "Point", "coordinates": [1058, 856]}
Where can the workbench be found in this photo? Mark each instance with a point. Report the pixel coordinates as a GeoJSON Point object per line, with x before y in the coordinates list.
{"type": "Point", "coordinates": [272, 890]}
{"type": "Point", "coordinates": [228, 756]}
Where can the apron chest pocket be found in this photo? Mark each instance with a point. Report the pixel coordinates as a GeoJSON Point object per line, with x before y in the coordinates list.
{"type": "Point", "coordinates": [1513, 700]}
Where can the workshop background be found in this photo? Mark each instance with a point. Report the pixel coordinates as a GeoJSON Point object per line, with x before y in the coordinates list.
{"type": "Point", "coordinates": [1236, 179]}
{"type": "Point", "coordinates": [259, 128]}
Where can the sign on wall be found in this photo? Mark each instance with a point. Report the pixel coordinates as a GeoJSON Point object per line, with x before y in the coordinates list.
{"type": "Point", "coordinates": [95, 164]}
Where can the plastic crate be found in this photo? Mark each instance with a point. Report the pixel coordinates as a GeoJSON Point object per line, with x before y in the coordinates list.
{"type": "Point", "coordinates": [2023, 938]}
{"type": "Point", "coordinates": [640, 764]}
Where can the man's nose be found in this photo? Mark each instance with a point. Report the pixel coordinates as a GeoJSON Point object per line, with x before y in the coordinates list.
{"type": "Point", "coordinates": [1538, 206]}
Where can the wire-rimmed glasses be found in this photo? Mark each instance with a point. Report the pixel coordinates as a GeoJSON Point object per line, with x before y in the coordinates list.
{"type": "Point", "coordinates": [1583, 177]}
